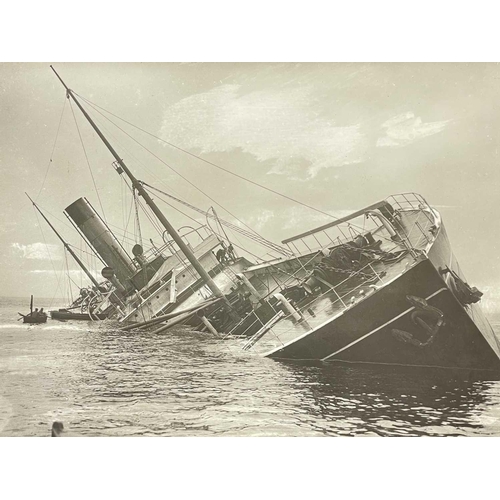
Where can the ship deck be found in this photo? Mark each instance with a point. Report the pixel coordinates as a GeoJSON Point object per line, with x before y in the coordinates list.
{"type": "Point", "coordinates": [316, 311]}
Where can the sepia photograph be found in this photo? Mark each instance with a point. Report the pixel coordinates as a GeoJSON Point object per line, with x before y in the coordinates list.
{"type": "Point", "coordinates": [235, 238]}
{"type": "Point", "coordinates": [250, 249]}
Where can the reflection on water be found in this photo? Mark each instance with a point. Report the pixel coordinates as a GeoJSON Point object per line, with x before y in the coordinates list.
{"type": "Point", "coordinates": [352, 400]}
{"type": "Point", "coordinates": [101, 382]}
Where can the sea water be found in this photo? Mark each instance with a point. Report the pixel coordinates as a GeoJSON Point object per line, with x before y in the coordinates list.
{"type": "Point", "coordinates": [103, 382]}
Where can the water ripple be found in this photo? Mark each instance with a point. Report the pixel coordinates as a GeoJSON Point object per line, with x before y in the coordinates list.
{"type": "Point", "coordinates": [103, 382]}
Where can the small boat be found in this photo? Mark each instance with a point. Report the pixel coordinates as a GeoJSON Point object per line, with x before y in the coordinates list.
{"type": "Point", "coordinates": [41, 318]}
{"type": "Point", "coordinates": [35, 316]}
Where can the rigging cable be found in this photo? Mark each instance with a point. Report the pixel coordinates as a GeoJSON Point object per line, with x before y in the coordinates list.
{"type": "Point", "coordinates": [94, 106]}
{"type": "Point", "coordinates": [217, 220]}
{"type": "Point", "coordinates": [169, 166]}
{"type": "Point", "coordinates": [74, 226]}
{"type": "Point", "coordinates": [50, 258]}
{"type": "Point", "coordinates": [207, 161]}
{"type": "Point", "coordinates": [153, 221]}
{"type": "Point", "coordinates": [136, 201]}
{"type": "Point", "coordinates": [70, 291]}
{"type": "Point", "coordinates": [208, 215]}
{"type": "Point", "coordinates": [88, 162]}
{"type": "Point", "coordinates": [125, 232]}
{"type": "Point", "coordinates": [256, 237]}
{"type": "Point", "coordinates": [139, 162]}
{"type": "Point", "coordinates": [216, 231]}
{"type": "Point", "coordinates": [53, 148]}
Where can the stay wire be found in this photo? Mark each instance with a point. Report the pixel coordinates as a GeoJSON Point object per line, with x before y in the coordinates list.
{"type": "Point", "coordinates": [169, 166]}
{"type": "Point", "coordinates": [50, 258]}
{"type": "Point", "coordinates": [88, 162]}
{"type": "Point", "coordinates": [151, 219]}
{"type": "Point", "coordinates": [58, 286]}
{"type": "Point", "coordinates": [70, 291]}
{"type": "Point", "coordinates": [255, 237]}
{"type": "Point", "coordinates": [132, 239]}
{"type": "Point", "coordinates": [86, 252]}
{"type": "Point", "coordinates": [92, 104]}
{"type": "Point", "coordinates": [53, 149]}
{"type": "Point", "coordinates": [45, 241]}
{"type": "Point", "coordinates": [211, 163]}
{"type": "Point", "coordinates": [201, 225]}
{"type": "Point", "coordinates": [124, 230]}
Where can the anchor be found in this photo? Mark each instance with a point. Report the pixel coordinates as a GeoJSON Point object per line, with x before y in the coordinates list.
{"type": "Point", "coordinates": [421, 316]}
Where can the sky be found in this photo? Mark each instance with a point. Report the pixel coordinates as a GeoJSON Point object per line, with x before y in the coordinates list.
{"type": "Point", "coordinates": [335, 136]}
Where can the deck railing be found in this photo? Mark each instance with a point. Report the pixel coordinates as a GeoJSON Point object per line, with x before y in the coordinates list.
{"type": "Point", "coordinates": [335, 235]}
{"type": "Point", "coordinates": [343, 301]}
{"type": "Point", "coordinates": [407, 201]}
{"type": "Point", "coordinates": [400, 203]}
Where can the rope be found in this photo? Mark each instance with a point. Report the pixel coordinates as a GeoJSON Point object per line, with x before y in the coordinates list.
{"type": "Point", "coordinates": [83, 237]}
{"type": "Point", "coordinates": [128, 221]}
{"type": "Point", "coordinates": [254, 237]}
{"type": "Point", "coordinates": [94, 106]}
{"type": "Point", "coordinates": [50, 257]}
{"type": "Point", "coordinates": [200, 225]}
{"type": "Point", "coordinates": [53, 148]}
{"type": "Point", "coordinates": [59, 276]}
{"type": "Point", "coordinates": [45, 241]}
{"type": "Point", "coordinates": [169, 166]}
{"type": "Point", "coordinates": [153, 221]}
{"type": "Point", "coordinates": [206, 161]}
{"type": "Point", "coordinates": [119, 143]}
{"type": "Point", "coordinates": [88, 162]}
{"type": "Point", "coordinates": [70, 291]}
{"type": "Point", "coordinates": [85, 252]}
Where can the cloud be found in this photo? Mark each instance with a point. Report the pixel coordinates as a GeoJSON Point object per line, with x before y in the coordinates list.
{"type": "Point", "coordinates": [282, 125]}
{"type": "Point", "coordinates": [38, 251]}
{"type": "Point", "coordinates": [259, 221]}
{"type": "Point", "coordinates": [303, 217]}
{"type": "Point", "coordinates": [292, 220]}
{"type": "Point", "coordinates": [404, 129]}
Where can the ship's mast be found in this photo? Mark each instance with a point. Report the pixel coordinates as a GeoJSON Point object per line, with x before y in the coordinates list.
{"type": "Point", "coordinates": [136, 184]}
{"type": "Point", "coordinates": [66, 246]}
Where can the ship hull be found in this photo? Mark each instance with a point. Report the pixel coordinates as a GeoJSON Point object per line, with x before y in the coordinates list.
{"type": "Point", "coordinates": [383, 328]}
{"type": "Point", "coordinates": [66, 315]}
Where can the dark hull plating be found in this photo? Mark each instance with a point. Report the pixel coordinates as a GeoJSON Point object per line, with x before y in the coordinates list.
{"type": "Point", "coordinates": [34, 320]}
{"type": "Point", "coordinates": [364, 333]}
{"type": "Point", "coordinates": [65, 315]}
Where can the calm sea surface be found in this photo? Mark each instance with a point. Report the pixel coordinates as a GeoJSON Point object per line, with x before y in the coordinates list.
{"type": "Point", "coordinates": [102, 382]}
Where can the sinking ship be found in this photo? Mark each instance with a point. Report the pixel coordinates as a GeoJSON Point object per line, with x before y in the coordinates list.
{"type": "Point", "coordinates": [390, 294]}
{"type": "Point", "coordinates": [379, 286]}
